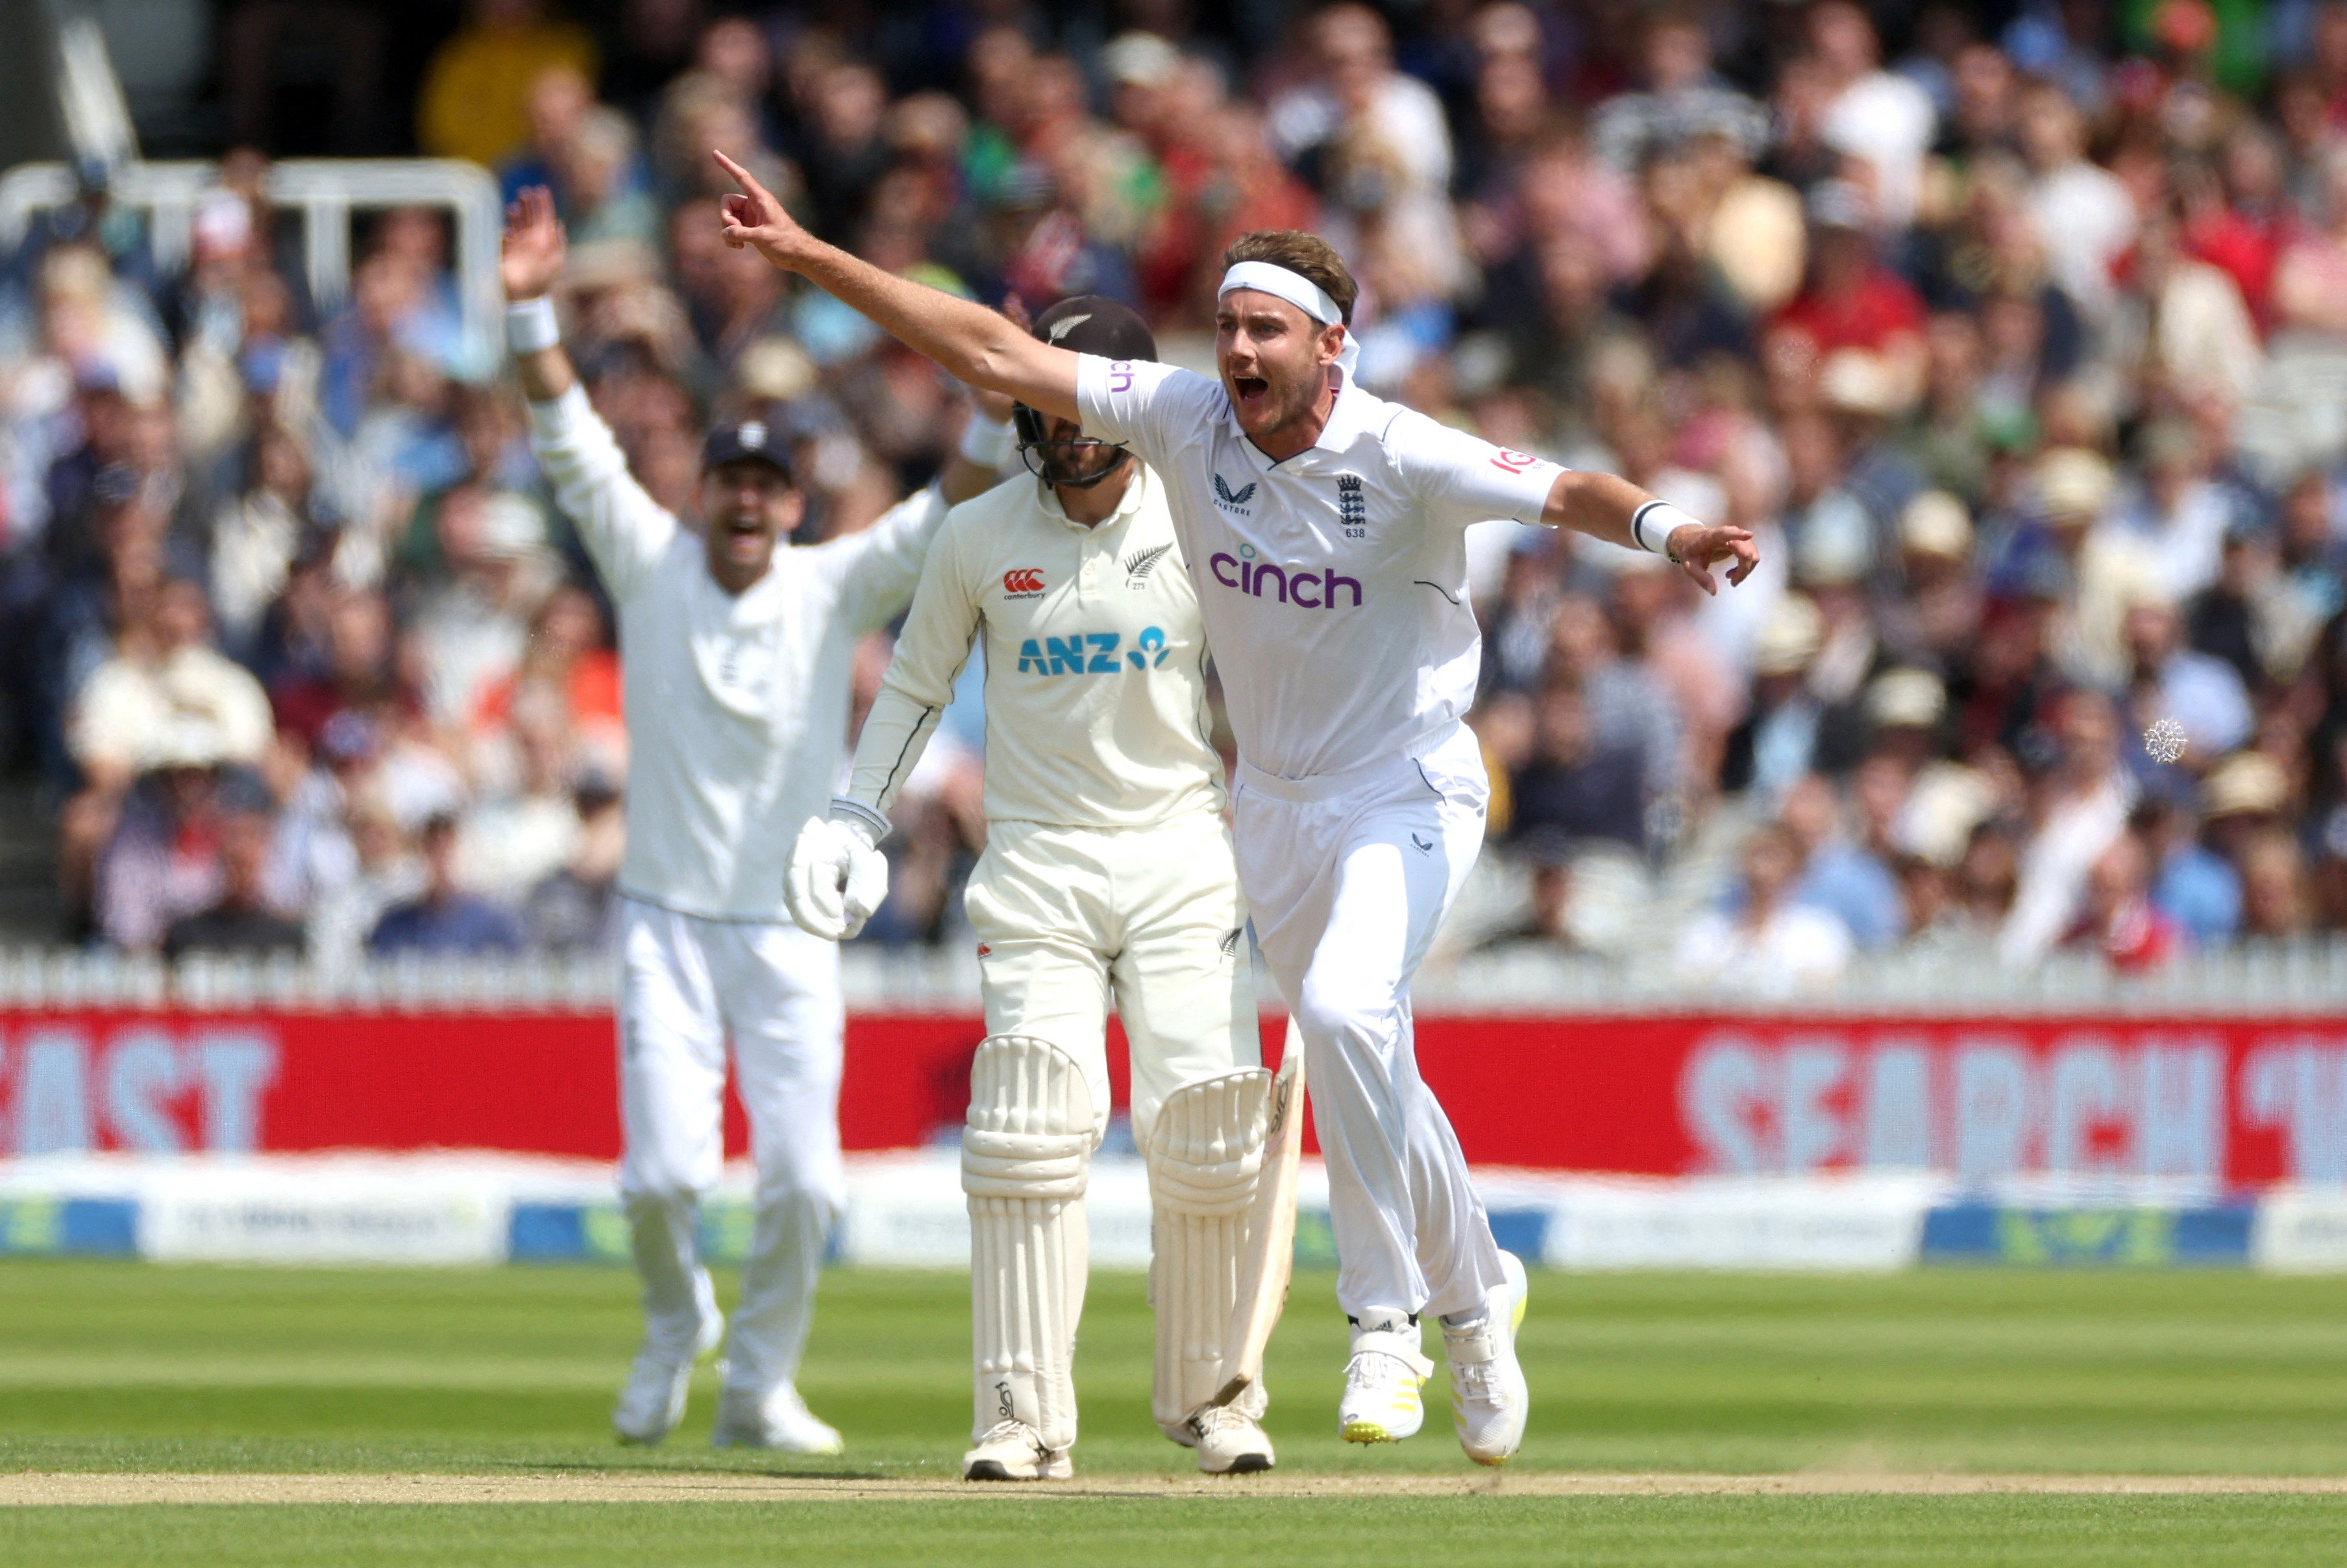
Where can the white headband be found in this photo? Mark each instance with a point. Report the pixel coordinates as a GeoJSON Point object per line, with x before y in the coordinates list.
{"type": "Point", "coordinates": [1268, 277]}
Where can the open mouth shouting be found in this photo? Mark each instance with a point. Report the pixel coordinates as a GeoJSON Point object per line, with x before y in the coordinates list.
{"type": "Point", "coordinates": [1252, 391]}
{"type": "Point", "coordinates": [743, 537]}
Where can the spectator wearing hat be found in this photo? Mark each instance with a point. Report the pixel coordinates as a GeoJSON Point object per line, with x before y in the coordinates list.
{"type": "Point", "coordinates": [1932, 618]}
{"type": "Point", "coordinates": [1905, 710]}
{"type": "Point", "coordinates": [444, 918]}
{"type": "Point", "coordinates": [2243, 798]}
{"type": "Point", "coordinates": [2070, 554]}
{"type": "Point", "coordinates": [1778, 741]}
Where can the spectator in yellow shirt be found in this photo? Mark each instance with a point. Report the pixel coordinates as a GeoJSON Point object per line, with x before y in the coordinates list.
{"type": "Point", "coordinates": [476, 99]}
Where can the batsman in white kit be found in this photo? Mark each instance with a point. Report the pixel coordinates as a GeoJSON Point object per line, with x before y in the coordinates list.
{"type": "Point", "coordinates": [1107, 879]}
{"type": "Point", "coordinates": [1324, 529]}
{"type": "Point", "coordinates": [736, 657]}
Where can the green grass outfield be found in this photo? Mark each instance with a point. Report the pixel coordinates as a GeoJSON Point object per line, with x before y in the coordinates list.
{"type": "Point", "coordinates": [116, 1367]}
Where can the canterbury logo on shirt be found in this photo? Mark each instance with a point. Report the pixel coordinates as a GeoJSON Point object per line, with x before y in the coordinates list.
{"type": "Point", "coordinates": [1024, 582]}
{"type": "Point", "coordinates": [1092, 654]}
{"type": "Point", "coordinates": [1298, 585]}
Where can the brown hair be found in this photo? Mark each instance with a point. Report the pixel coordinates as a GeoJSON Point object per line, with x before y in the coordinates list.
{"type": "Point", "coordinates": [1306, 255]}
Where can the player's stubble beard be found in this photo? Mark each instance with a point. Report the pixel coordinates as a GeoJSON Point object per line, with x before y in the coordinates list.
{"type": "Point", "coordinates": [1292, 386]}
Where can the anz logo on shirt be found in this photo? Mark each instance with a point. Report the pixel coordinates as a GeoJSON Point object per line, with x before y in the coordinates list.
{"type": "Point", "coordinates": [1093, 653]}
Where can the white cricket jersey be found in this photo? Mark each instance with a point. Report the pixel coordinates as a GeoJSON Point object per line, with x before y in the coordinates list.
{"type": "Point", "coordinates": [736, 705]}
{"type": "Point", "coordinates": [1333, 584]}
{"type": "Point", "coordinates": [1096, 711]}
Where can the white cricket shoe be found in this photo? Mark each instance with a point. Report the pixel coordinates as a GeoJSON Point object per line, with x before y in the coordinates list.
{"type": "Point", "coordinates": [652, 1401]}
{"type": "Point", "coordinates": [1013, 1451]}
{"type": "Point", "coordinates": [779, 1420]}
{"type": "Point", "coordinates": [1229, 1443]}
{"type": "Point", "coordinates": [1381, 1383]}
{"type": "Point", "coordinates": [1489, 1398]}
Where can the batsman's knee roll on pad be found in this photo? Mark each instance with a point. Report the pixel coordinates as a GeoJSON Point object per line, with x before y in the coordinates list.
{"type": "Point", "coordinates": [1026, 1154]}
{"type": "Point", "coordinates": [1206, 1154]}
{"type": "Point", "coordinates": [1030, 1126]}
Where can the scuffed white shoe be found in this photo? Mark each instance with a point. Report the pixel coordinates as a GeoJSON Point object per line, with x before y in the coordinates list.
{"type": "Point", "coordinates": [1489, 1398]}
{"type": "Point", "coordinates": [1229, 1441]}
{"type": "Point", "coordinates": [1382, 1403]}
{"type": "Point", "coordinates": [779, 1420]}
{"type": "Point", "coordinates": [1013, 1451]}
{"type": "Point", "coordinates": [652, 1401]}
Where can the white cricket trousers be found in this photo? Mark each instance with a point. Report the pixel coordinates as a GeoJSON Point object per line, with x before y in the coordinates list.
{"type": "Point", "coordinates": [687, 985]}
{"type": "Point", "coordinates": [1349, 875]}
{"type": "Point", "coordinates": [1073, 920]}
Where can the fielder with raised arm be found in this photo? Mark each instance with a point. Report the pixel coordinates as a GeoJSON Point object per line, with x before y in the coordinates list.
{"type": "Point", "coordinates": [1324, 530]}
{"type": "Point", "coordinates": [736, 658]}
{"type": "Point", "coordinates": [1107, 877]}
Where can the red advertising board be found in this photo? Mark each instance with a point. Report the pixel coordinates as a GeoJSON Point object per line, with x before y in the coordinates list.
{"type": "Point", "coordinates": [2243, 1100]}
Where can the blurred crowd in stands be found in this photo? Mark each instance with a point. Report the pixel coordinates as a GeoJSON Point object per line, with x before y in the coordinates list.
{"type": "Point", "coordinates": [2016, 332]}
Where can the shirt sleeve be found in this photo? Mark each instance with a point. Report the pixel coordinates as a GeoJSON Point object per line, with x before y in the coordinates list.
{"type": "Point", "coordinates": [931, 649]}
{"type": "Point", "coordinates": [1155, 409]}
{"type": "Point", "coordinates": [1462, 480]}
{"type": "Point", "coordinates": [624, 529]}
{"type": "Point", "coordinates": [880, 566]}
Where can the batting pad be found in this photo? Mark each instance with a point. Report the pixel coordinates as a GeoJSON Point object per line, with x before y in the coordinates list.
{"type": "Point", "coordinates": [1205, 1155]}
{"type": "Point", "coordinates": [1026, 1154]}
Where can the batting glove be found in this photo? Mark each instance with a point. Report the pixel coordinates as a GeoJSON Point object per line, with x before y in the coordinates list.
{"type": "Point", "coordinates": [836, 879]}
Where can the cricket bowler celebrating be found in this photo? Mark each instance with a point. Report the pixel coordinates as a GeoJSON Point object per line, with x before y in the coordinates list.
{"type": "Point", "coordinates": [1107, 874]}
{"type": "Point", "coordinates": [736, 658]}
{"type": "Point", "coordinates": [1324, 529]}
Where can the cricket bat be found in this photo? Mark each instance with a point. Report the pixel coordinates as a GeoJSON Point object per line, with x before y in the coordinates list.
{"type": "Point", "coordinates": [1271, 1250]}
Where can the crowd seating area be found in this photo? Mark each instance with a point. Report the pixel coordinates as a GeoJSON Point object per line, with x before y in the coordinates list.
{"type": "Point", "coordinates": [2016, 334]}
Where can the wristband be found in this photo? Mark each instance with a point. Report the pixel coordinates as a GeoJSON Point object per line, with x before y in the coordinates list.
{"type": "Point", "coordinates": [1652, 526]}
{"type": "Point", "coordinates": [986, 443]}
{"type": "Point", "coordinates": [530, 326]}
{"type": "Point", "coordinates": [859, 817]}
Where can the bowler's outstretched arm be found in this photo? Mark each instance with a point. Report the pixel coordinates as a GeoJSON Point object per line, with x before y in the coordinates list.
{"type": "Point", "coordinates": [972, 343]}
